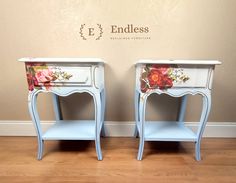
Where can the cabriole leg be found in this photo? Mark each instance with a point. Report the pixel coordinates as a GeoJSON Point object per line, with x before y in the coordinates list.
{"type": "Point", "coordinates": [203, 120]}
{"type": "Point", "coordinates": [182, 109]}
{"type": "Point", "coordinates": [136, 107]}
{"type": "Point", "coordinates": [98, 111]}
{"type": "Point", "coordinates": [56, 106]}
{"type": "Point", "coordinates": [142, 107]}
{"type": "Point", "coordinates": [103, 99]}
{"type": "Point", "coordinates": [32, 105]}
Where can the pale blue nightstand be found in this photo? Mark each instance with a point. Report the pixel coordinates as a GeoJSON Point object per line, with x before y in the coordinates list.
{"type": "Point", "coordinates": [63, 77]}
{"type": "Point", "coordinates": [177, 78]}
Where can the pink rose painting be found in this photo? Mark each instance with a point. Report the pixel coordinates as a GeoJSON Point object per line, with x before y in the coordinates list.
{"type": "Point", "coordinates": [40, 75]}
{"type": "Point", "coordinates": [45, 75]}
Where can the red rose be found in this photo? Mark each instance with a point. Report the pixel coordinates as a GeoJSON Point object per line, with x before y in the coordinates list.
{"type": "Point", "coordinates": [154, 77]}
{"type": "Point", "coordinates": [166, 82]}
{"type": "Point", "coordinates": [162, 68]}
{"type": "Point", "coordinates": [158, 77]}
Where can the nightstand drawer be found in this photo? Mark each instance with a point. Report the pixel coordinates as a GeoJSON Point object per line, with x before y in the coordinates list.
{"type": "Point", "coordinates": [195, 77]}
{"type": "Point", "coordinates": [165, 76]}
{"type": "Point", "coordinates": [41, 75]}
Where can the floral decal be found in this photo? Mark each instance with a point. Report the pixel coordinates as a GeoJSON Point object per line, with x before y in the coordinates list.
{"type": "Point", "coordinates": [159, 76]}
{"type": "Point", "coordinates": [40, 75]}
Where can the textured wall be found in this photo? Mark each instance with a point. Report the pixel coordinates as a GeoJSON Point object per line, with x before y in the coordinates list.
{"type": "Point", "coordinates": [193, 29]}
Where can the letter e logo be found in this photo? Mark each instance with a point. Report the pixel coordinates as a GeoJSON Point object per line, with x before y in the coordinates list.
{"type": "Point", "coordinates": [91, 31]}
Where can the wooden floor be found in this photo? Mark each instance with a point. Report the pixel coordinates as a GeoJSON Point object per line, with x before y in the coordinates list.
{"type": "Point", "coordinates": [76, 161]}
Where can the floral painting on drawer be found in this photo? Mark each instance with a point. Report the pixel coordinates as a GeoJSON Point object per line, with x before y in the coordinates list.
{"type": "Point", "coordinates": [40, 75]}
{"type": "Point", "coordinates": [161, 76]}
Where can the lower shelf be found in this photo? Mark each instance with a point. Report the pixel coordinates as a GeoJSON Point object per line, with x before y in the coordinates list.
{"type": "Point", "coordinates": [167, 131]}
{"type": "Point", "coordinates": [71, 130]}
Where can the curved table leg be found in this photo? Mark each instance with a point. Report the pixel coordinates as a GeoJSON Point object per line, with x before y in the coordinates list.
{"type": "Point", "coordinates": [142, 107]}
{"type": "Point", "coordinates": [203, 120]}
{"type": "Point", "coordinates": [136, 107]}
{"type": "Point", "coordinates": [56, 107]}
{"type": "Point", "coordinates": [98, 113]}
{"type": "Point", "coordinates": [103, 100]}
{"type": "Point", "coordinates": [32, 105]}
{"type": "Point", "coordinates": [182, 109]}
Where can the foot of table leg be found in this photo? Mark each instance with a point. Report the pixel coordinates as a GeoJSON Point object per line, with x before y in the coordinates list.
{"type": "Point", "coordinates": [197, 151]}
{"type": "Point", "coordinates": [40, 149]}
{"type": "Point", "coordinates": [141, 148]}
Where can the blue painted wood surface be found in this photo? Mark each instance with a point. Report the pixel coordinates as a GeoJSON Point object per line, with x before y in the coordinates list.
{"type": "Point", "coordinates": [68, 130]}
{"type": "Point", "coordinates": [174, 130]}
{"type": "Point", "coordinates": [71, 130]}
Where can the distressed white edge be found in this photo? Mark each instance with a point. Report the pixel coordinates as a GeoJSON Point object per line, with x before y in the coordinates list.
{"type": "Point", "coordinates": [187, 62]}
{"type": "Point", "coordinates": [80, 60]}
{"type": "Point", "coordinates": [116, 128]}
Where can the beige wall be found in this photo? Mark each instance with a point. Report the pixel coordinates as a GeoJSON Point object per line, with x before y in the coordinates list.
{"type": "Point", "coordinates": [190, 29]}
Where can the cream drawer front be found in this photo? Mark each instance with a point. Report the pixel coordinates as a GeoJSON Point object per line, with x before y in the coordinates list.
{"type": "Point", "coordinates": [76, 75]}
{"type": "Point", "coordinates": [197, 77]}
{"type": "Point", "coordinates": [48, 75]}
{"type": "Point", "coordinates": [165, 76]}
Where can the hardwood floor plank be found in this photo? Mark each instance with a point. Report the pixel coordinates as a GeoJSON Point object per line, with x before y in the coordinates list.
{"type": "Point", "coordinates": [76, 161]}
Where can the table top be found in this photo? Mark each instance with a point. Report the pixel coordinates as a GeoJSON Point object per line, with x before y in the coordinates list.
{"type": "Point", "coordinates": [187, 62]}
{"type": "Point", "coordinates": [74, 60]}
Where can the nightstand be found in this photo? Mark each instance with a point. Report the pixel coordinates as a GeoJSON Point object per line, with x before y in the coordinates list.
{"type": "Point", "coordinates": [176, 78]}
{"type": "Point", "coordinates": [63, 77]}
